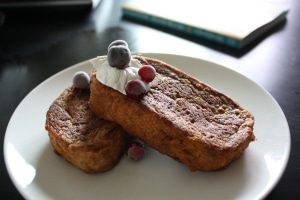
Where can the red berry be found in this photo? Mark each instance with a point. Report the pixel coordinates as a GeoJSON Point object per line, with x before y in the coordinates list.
{"type": "Point", "coordinates": [135, 152]}
{"type": "Point", "coordinates": [135, 89]}
{"type": "Point", "coordinates": [147, 73]}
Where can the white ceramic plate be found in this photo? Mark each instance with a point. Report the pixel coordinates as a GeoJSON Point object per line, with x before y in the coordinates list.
{"type": "Point", "coordinates": [38, 173]}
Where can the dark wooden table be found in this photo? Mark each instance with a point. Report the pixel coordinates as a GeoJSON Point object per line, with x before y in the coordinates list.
{"type": "Point", "coordinates": [35, 46]}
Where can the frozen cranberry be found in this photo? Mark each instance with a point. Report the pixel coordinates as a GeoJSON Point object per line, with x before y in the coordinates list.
{"type": "Point", "coordinates": [135, 152]}
{"type": "Point", "coordinates": [119, 56]}
{"type": "Point", "coordinates": [135, 89]}
{"type": "Point", "coordinates": [81, 80]}
{"type": "Point", "coordinates": [147, 73]}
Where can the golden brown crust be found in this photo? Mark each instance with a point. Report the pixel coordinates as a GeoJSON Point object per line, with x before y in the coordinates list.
{"type": "Point", "coordinates": [181, 117]}
{"type": "Point", "coordinates": [77, 134]}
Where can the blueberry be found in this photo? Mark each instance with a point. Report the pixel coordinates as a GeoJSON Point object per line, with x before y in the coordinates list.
{"type": "Point", "coordinates": [118, 43]}
{"type": "Point", "coordinates": [119, 56]}
{"type": "Point", "coordinates": [81, 80]}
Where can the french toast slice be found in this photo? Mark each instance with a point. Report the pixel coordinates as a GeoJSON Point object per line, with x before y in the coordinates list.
{"type": "Point", "coordinates": [179, 116]}
{"type": "Point", "coordinates": [80, 137]}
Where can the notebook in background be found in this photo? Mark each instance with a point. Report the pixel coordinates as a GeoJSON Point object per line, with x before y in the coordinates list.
{"type": "Point", "coordinates": [234, 23]}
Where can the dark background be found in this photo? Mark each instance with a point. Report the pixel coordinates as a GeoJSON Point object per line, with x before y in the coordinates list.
{"type": "Point", "coordinates": [44, 43]}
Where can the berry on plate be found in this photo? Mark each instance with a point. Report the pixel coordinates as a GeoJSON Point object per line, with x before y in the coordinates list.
{"type": "Point", "coordinates": [81, 80]}
{"type": "Point", "coordinates": [135, 89]}
{"type": "Point", "coordinates": [147, 73]}
{"type": "Point", "coordinates": [119, 56]}
{"type": "Point", "coordinates": [135, 152]}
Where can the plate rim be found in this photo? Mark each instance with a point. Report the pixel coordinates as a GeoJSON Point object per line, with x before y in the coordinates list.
{"type": "Point", "coordinates": [260, 195]}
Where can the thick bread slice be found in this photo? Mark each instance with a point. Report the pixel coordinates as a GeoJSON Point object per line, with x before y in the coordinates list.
{"type": "Point", "coordinates": [181, 117]}
{"type": "Point", "coordinates": [78, 135]}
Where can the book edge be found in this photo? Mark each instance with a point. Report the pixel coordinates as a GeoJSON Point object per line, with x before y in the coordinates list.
{"type": "Point", "coordinates": [137, 14]}
{"type": "Point", "coordinates": [264, 28]}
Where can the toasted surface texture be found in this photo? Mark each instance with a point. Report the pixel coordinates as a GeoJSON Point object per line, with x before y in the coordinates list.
{"type": "Point", "coordinates": [79, 136]}
{"type": "Point", "coordinates": [180, 117]}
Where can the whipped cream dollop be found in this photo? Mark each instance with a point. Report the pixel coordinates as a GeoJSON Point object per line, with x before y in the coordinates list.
{"type": "Point", "coordinates": [114, 77]}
